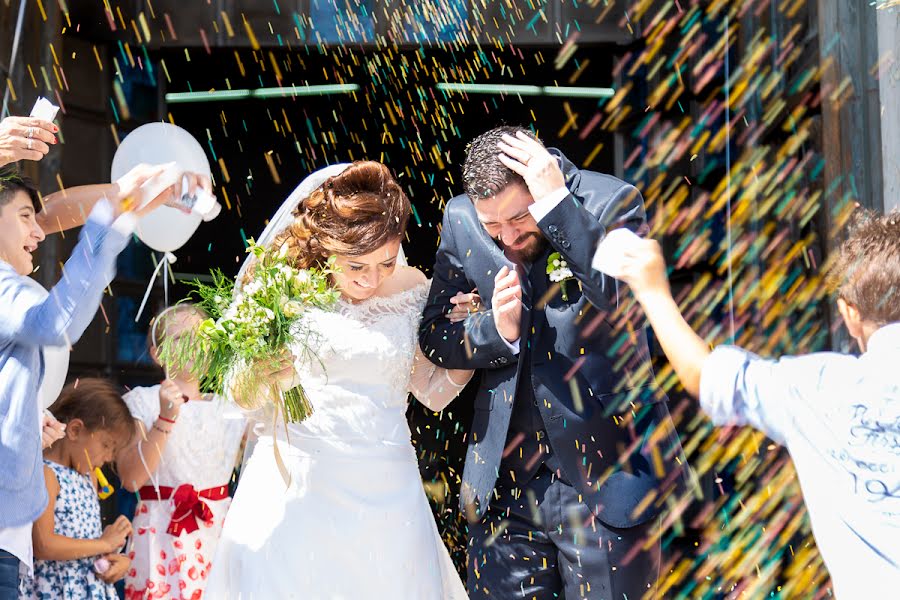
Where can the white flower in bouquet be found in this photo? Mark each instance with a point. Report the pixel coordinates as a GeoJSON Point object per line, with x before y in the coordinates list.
{"type": "Point", "coordinates": [301, 278]}
{"type": "Point", "coordinates": [292, 309]}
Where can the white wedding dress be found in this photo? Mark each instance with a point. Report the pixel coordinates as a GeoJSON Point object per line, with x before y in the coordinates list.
{"type": "Point", "coordinates": [354, 522]}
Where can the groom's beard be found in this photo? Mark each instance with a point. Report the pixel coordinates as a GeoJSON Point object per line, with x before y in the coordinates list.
{"type": "Point", "coordinates": [534, 246]}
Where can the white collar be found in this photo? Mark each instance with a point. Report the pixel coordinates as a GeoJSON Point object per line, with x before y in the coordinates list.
{"type": "Point", "coordinates": [885, 338]}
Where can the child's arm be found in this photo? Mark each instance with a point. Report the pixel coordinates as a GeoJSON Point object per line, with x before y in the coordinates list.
{"type": "Point", "coordinates": [139, 460]}
{"type": "Point", "coordinates": [50, 546]}
{"type": "Point", "coordinates": [645, 273]}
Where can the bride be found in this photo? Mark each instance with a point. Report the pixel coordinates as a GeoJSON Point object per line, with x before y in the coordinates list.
{"type": "Point", "coordinates": [354, 521]}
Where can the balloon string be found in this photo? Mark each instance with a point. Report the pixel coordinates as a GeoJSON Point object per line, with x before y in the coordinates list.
{"type": "Point", "coordinates": [167, 259]}
{"type": "Point", "coordinates": [165, 278]}
{"type": "Point", "coordinates": [728, 231]}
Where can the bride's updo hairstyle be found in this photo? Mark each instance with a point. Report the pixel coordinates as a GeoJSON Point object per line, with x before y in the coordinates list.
{"type": "Point", "coordinates": [351, 214]}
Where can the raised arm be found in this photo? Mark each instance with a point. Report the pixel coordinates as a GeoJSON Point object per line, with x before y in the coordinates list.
{"type": "Point", "coordinates": [32, 316]}
{"type": "Point", "coordinates": [644, 269]}
{"type": "Point", "coordinates": [35, 317]}
{"type": "Point", "coordinates": [575, 232]}
{"type": "Point", "coordinates": [69, 208]}
{"type": "Point", "coordinates": [470, 344]}
{"type": "Point", "coordinates": [140, 459]}
{"type": "Point", "coordinates": [735, 387]}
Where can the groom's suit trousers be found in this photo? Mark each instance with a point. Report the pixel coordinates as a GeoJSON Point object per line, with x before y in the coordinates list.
{"type": "Point", "coordinates": [539, 539]}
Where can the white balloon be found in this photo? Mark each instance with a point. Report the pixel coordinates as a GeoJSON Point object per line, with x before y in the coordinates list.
{"type": "Point", "coordinates": [56, 366]}
{"type": "Point", "coordinates": [165, 229]}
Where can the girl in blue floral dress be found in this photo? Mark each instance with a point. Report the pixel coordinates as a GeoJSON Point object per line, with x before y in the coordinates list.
{"type": "Point", "coordinates": [75, 558]}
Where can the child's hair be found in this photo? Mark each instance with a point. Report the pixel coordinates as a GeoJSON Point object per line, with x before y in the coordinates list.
{"type": "Point", "coordinates": [12, 182]}
{"type": "Point", "coordinates": [866, 274]}
{"type": "Point", "coordinates": [98, 404]}
{"type": "Point", "coordinates": [159, 324]}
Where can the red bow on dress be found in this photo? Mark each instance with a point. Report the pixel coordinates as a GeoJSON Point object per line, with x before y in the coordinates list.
{"type": "Point", "coordinates": [188, 508]}
{"type": "Point", "coordinates": [189, 505]}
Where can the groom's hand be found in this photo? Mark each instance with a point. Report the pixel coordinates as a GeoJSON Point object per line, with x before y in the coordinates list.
{"type": "Point", "coordinates": [507, 304]}
{"type": "Point", "coordinates": [528, 157]}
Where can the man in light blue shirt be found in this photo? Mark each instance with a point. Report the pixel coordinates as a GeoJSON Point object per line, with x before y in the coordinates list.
{"type": "Point", "coordinates": [31, 318]}
{"type": "Point", "coordinates": [838, 415]}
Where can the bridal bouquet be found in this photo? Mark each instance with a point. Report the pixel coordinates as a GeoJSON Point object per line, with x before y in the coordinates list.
{"type": "Point", "coordinates": [251, 331]}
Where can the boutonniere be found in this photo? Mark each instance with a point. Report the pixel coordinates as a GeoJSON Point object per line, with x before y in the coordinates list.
{"type": "Point", "coordinates": [558, 270]}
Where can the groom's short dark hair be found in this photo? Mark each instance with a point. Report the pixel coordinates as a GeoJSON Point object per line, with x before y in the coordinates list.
{"type": "Point", "coordinates": [483, 173]}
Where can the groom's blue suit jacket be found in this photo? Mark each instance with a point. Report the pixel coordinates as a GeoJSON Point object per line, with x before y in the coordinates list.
{"type": "Point", "coordinates": [590, 374]}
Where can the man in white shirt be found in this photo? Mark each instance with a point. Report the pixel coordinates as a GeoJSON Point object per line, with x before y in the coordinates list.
{"type": "Point", "coordinates": [837, 414]}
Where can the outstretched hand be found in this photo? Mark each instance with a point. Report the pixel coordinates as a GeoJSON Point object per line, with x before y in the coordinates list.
{"type": "Point", "coordinates": [644, 269]}
{"type": "Point", "coordinates": [25, 138]}
{"type": "Point", "coordinates": [128, 188]}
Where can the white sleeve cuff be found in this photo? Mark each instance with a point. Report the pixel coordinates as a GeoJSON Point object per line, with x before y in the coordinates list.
{"type": "Point", "coordinates": [102, 214]}
{"type": "Point", "coordinates": [125, 224]}
{"type": "Point", "coordinates": [543, 207]}
{"type": "Point", "coordinates": [513, 346]}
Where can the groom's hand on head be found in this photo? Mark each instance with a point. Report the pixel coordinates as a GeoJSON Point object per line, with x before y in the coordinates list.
{"type": "Point", "coordinates": [528, 157]}
{"type": "Point", "coordinates": [507, 304]}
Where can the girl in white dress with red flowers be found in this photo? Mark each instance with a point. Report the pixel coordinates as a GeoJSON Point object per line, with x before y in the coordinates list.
{"type": "Point", "coordinates": [180, 464]}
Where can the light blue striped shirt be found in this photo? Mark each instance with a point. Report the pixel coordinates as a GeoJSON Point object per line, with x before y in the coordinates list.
{"type": "Point", "coordinates": [839, 417]}
{"type": "Point", "coordinates": [31, 318]}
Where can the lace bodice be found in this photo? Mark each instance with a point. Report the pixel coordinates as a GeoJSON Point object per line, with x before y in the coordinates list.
{"type": "Point", "coordinates": [366, 363]}
{"type": "Point", "coordinates": [203, 446]}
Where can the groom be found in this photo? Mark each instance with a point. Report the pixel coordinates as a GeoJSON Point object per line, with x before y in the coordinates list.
{"type": "Point", "coordinates": [572, 451]}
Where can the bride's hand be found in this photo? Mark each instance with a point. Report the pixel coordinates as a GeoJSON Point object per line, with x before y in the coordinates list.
{"type": "Point", "coordinates": [464, 305]}
{"type": "Point", "coordinates": [253, 385]}
{"type": "Point", "coordinates": [280, 369]}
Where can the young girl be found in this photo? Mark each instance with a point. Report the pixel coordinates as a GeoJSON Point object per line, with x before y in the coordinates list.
{"type": "Point", "coordinates": [68, 540]}
{"type": "Point", "coordinates": [180, 464]}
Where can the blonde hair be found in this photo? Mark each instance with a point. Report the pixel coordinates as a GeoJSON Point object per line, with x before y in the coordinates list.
{"type": "Point", "coordinates": [157, 335]}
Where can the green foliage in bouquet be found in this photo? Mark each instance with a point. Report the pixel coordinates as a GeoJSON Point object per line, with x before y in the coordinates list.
{"type": "Point", "coordinates": [252, 331]}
